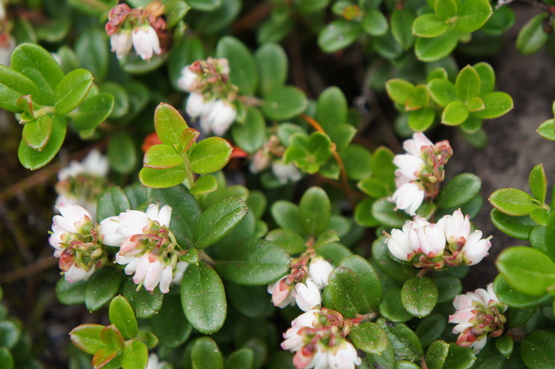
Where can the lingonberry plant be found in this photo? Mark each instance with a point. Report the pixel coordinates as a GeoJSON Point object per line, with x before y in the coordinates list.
{"type": "Point", "coordinates": [263, 207]}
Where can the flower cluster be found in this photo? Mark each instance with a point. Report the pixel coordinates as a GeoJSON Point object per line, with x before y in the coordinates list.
{"type": "Point", "coordinates": [75, 239]}
{"type": "Point", "coordinates": [82, 182]}
{"type": "Point", "coordinates": [448, 242]}
{"type": "Point", "coordinates": [318, 339]}
{"type": "Point", "coordinates": [419, 172]}
{"type": "Point", "coordinates": [139, 28]}
{"type": "Point", "coordinates": [147, 247]}
{"type": "Point", "coordinates": [309, 275]}
{"type": "Point", "coordinates": [211, 94]}
{"type": "Point", "coordinates": [479, 315]}
{"type": "Point", "coordinates": [269, 157]}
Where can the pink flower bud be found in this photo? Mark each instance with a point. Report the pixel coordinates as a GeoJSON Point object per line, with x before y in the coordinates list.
{"type": "Point", "coordinates": [281, 293]}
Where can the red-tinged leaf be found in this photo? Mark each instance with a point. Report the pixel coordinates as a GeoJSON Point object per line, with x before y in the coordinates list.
{"type": "Point", "coordinates": [87, 337]}
{"type": "Point", "coordinates": [104, 357]}
{"type": "Point", "coordinates": [112, 337]}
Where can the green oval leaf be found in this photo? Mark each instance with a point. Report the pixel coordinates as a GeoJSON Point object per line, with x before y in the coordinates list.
{"type": "Point", "coordinates": [512, 201]}
{"type": "Point", "coordinates": [102, 287]}
{"type": "Point", "coordinates": [347, 292]}
{"type": "Point", "coordinates": [34, 159]}
{"type": "Point", "coordinates": [206, 354]}
{"type": "Point", "coordinates": [272, 67]}
{"type": "Point", "coordinates": [71, 90]}
{"type": "Point", "coordinates": [432, 49]}
{"type": "Point", "coordinates": [532, 37]}
{"type": "Point", "coordinates": [242, 65]}
{"type": "Point", "coordinates": [538, 350]}
{"type": "Point", "coordinates": [429, 25]}
{"type": "Point", "coordinates": [473, 14]}
{"type": "Point", "coordinates": [337, 35]}
{"type": "Point", "coordinates": [170, 325]}
{"type": "Point", "coordinates": [209, 155]}
{"type": "Point", "coordinates": [169, 125]}
{"type": "Point", "coordinates": [122, 316]}
{"type": "Point", "coordinates": [496, 104]}
{"type": "Point", "coordinates": [369, 278]}
{"type": "Point", "coordinates": [284, 102]}
{"type": "Point", "coordinates": [537, 181]}
{"type": "Point", "coordinates": [217, 221]}
{"type": "Point", "coordinates": [203, 298]}
{"type": "Point", "coordinates": [517, 227]}
{"type": "Point", "coordinates": [528, 270]}
{"type": "Point", "coordinates": [419, 296]}
{"type": "Point", "coordinates": [93, 111]}
{"type": "Point", "coordinates": [369, 337]}
{"type": "Point", "coordinates": [135, 355]}
{"type": "Point", "coordinates": [37, 132]}
{"type": "Point", "coordinates": [314, 211]}
{"type": "Point", "coordinates": [459, 190]}
{"type": "Point", "coordinates": [162, 157]}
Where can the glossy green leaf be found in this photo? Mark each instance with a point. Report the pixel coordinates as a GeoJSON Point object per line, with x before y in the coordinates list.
{"type": "Point", "coordinates": [286, 215]}
{"type": "Point", "coordinates": [121, 99]}
{"type": "Point", "coordinates": [454, 113]}
{"type": "Point", "coordinates": [40, 67]}
{"type": "Point", "coordinates": [532, 36]}
{"type": "Point", "coordinates": [162, 157]}
{"type": "Point", "coordinates": [419, 296]}
{"type": "Point", "coordinates": [400, 91]}
{"type": "Point", "coordinates": [473, 14]}
{"type": "Point", "coordinates": [432, 49]}
{"type": "Point", "coordinates": [547, 130]}
{"type": "Point", "coordinates": [369, 278]}
{"type": "Point", "coordinates": [487, 77]}
{"type": "Point", "coordinates": [203, 298]}
{"type": "Point", "coordinates": [347, 292]}
{"type": "Point", "coordinates": [112, 337]}
{"type": "Point", "coordinates": [459, 190]}
{"type": "Point", "coordinates": [169, 125]}
{"type": "Point", "coordinates": [517, 227]}
{"type": "Point", "coordinates": [170, 325]}
{"type": "Point", "coordinates": [401, 27]}
{"type": "Point", "coordinates": [309, 153]}
{"type": "Point", "coordinates": [314, 211]}
{"type": "Point", "coordinates": [204, 5]}
{"type": "Point", "coordinates": [449, 356]}
{"type": "Point", "coordinates": [71, 90]}
{"type": "Point", "coordinates": [331, 108]}
{"type": "Point", "coordinates": [272, 66]}
{"type": "Point", "coordinates": [363, 213]}
{"type": "Point", "coordinates": [405, 342]}
{"type": "Point", "coordinates": [108, 357]}
{"type": "Point", "coordinates": [206, 354]}
{"type": "Point", "coordinates": [468, 83]}
{"type": "Point", "coordinates": [356, 159]}
{"type": "Point", "coordinates": [251, 135]}
{"type": "Point", "coordinates": [445, 9]}
{"type": "Point", "coordinates": [369, 337]}
{"type": "Point", "coordinates": [93, 111]}
{"type": "Point", "coordinates": [528, 270]}
{"type": "Point", "coordinates": [112, 202]}
{"type": "Point", "coordinates": [70, 293]}
{"type": "Point", "coordinates": [537, 350]}
{"type": "Point", "coordinates": [421, 119]}
{"type": "Point", "coordinates": [37, 133]}
{"type": "Point", "coordinates": [13, 85]}
{"type": "Point", "coordinates": [284, 102]}
{"type": "Point", "coordinates": [217, 221]}
{"type": "Point", "coordinates": [384, 260]}
{"type": "Point", "coordinates": [145, 304]}
{"type": "Point", "coordinates": [512, 201]}
{"type": "Point", "coordinates": [102, 287]}
{"type": "Point", "coordinates": [209, 155]}
{"type": "Point", "coordinates": [430, 329]}
{"type": "Point", "coordinates": [34, 159]}
{"type": "Point", "coordinates": [242, 65]}
{"type": "Point", "coordinates": [122, 316]}
{"type": "Point", "coordinates": [87, 337]}
{"type": "Point", "coordinates": [383, 167]}
{"type": "Point", "coordinates": [240, 359]}
{"type": "Point", "coordinates": [253, 262]}
{"type": "Point", "coordinates": [448, 287]}
{"type": "Point", "coordinates": [162, 178]}
{"type": "Point", "coordinates": [496, 104]}
{"type": "Point", "coordinates": [135, 355]}
{"type": "Point", "coordinates": [122, 153]}
{"type": "Point", "coordinates": [505, 345]}
{"type": "Point", "coordinates": [374, 23]}
{"type": "Point", "coordinates": [537, 181]}
{"type": "Point", "coordinates": [288, 240]}
{"type": "Point", "coordinates": [204, 184]}
{"type": "Point", "coordinates": [392, 308]}
{"type": "Point", "coordinates": [91, 49]}
{"type": "Point", "coordinates": [429, 26]}
{"type": "Point", "coordinates": [10, 334]}
{"type": "Point", "coordinates": [442, 91]}
{"type": "Point", "coordinates": [337, 35]}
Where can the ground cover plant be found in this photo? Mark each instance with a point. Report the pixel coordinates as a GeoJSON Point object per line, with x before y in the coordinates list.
{"type": "Point", "coordinates": [266, 184]}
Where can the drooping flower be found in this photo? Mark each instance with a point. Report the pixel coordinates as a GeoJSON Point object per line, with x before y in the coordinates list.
{"type": "Point", "coordinates": [307, 295]}
{"type": "Point", "coordinates": [479, 314]}
{"type": "Point", "coordinates": [147, 247]}
{"type": "Point", "coordinates": [155, 363]}
{"type": "Point", "coordinates": [318, 338]}
{"type": "Point", "coordinates": [319, 270]}
{"type": "Point", "coordinates": [285, 172]}
{"type": "Point", "coordinates": [428, 245]}
{"type": "Point", "coordinates": [82, 182]}
{"type": "Point", "coordinates": [217, 116]}
{"type": "Point", "coordinates": [145, 41]}
{"type": "Point", "coordinates": [74, 237]}
{"type": "Point", "coordinates": [419, 172]}
{"type": "Point", "coordinates": [121, 43]}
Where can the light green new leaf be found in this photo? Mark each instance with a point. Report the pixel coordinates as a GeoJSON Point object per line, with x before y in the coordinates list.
{"type": "Point", "coordinates": [209, 155]}
{"type": "Point", "coordinates": [242, 65]}
{"type": "Point", "coordinates": [429, 26]}
{"type": "Point", "coordinates": [37, 132]}
{"type": "Point", "coordinates": [338, 34]}
{"type": "Point", "coordinates": [169, 125]}
{"type": "Point", "coordinates": [473, 14]}
{"type": "Point", "coordinates": [33, 159]}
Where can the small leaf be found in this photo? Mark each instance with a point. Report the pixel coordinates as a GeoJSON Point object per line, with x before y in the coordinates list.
{"type": "Point", "coordinates": [288, 240]}
{"type": "Point", "coordinates": [251, 135]}
{"type": "Point", "coordinates": [87, 337]}
{"type": "Point", "coordinates": [454, 113]}
{"type": "Point", "coordinates": [432, 49]}
{"type": "Point", "coordinates": [547, 130]}
{"type": "Point", "coordinates": [374, 23]}
{"type": "Point", "coordinates": [169, 125]}
{"type": "Point", "coordinates": [369, 337]}
{"type": "Point", "coordinates": [204, 184]}
{"type": "Point", "coordinates": [135, 355]}
{"type": "Point", "coordinates": [473, 14]}
{"type": "Point", "coordinates": [34, 159]}
{"type": "Point", "coordinates": [314, 211]}
{"type": "Point", "coordinates": [496, 104]}
{"type": "Point", "coordinates": [537, 350]}
{"type": "Point", "coordinates": [71, 90]}
{"type": "Point", "coordinates": [331, 108]}
{"type": "Point", "coordinates": [206, 354]}
{"type": "Point", "coordinates": [459, 190]}
{"type": "Point", "coordinates": [209, 155]}
{"type": "Point", "coordinates": [401, 27]}
{"type": "Point", "coordinates": [122, 316]}
{"type": "Point", "coordinates": [112, 202]}
{"type": "Point", "coordinates": [528, 270]}
{"type": "Point", "coordinates": [103, 286]}
{"type": "Point", "coordinates": [538, 182]}
{"type": "Point", "coordinates": [37, 133]}
{"type": "Point", "coordinates": [170, 324]}
{"type": "Point", "coordinates": [532, 36]}
{"type": "Point", "coordinates": [272, 66]}
{"type": "Point", "coordinates": [203, 298]}
{"type": "Point", "coordinates": [162, 157]}
{"type": "Point", "coordinates": [162, 178]}
{"type": "Point", "coordinates": [405, 342]}
{"type": "Point", "coordinates": [217, 221]}
{"type": "Point", "coordinates": [112, 337]}
{"type": "Point", "coordinates": [122, 153]}
{"type": "Point", "coordinates": [284, 102]}
{"type": "Point", "coordinates": [419, 296]}
{"type": "Point", "coordinates": [347, 292]}
{"type": "Point", "coordinates": [468, 83]}
{"type": "Point", "coordinates": [338, 35]}
{"type": "Point", "coordinates": [512, 201]}
{"type": "Point", "coordinates": [517, 227]}
{"type": "Point", "coordinates": [242, 65]}
{"type": "Point", "coordinates": [429, 25]}
{"type": "Point", "coordinates": [504, 345]}
{"type": "Point", "coordinates": [93, 111]}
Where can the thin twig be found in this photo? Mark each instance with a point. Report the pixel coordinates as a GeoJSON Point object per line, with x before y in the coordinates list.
{"type": "Point", "coordinates": [24, 271]}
